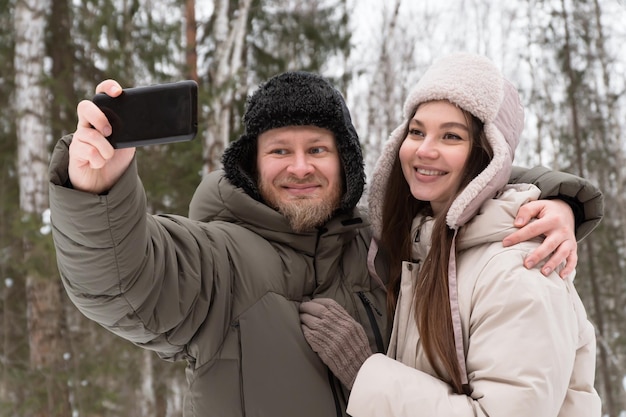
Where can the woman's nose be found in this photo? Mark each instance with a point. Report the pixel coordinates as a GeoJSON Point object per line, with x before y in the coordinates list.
{"type": "Point", "coordinates": [427, 148]}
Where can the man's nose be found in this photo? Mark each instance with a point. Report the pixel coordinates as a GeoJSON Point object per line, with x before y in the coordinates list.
{"type": "Point", "coordinates": [300, 165]}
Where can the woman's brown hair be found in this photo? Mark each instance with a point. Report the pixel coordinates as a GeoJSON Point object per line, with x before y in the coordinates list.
{"type": "Point", "coordinates": [431, 299]}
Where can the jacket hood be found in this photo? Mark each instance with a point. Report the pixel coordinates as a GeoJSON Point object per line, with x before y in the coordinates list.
{"type": "Point", "coordinates": [494, 220]}
{"type": "Point", "coordinates": [296, 99]}
{"type": "Point", "coordinates": [492, 223]}
{"type": "Point", "coordinates": [216, 199]}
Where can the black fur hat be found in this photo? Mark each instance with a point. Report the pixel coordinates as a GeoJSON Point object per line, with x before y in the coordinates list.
{"type": "Point", "coordinates": [296, 99]}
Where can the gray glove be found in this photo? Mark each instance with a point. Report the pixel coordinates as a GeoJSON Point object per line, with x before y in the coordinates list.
{"type": "Point", "coordinates": [339, 341]}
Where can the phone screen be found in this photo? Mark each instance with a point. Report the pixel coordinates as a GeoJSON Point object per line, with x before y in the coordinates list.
{"type": "Point", "coordinates": [154, 114]}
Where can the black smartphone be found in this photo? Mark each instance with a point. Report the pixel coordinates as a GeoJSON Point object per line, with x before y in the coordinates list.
{"type": "Point", "coordinates": [160, 113]}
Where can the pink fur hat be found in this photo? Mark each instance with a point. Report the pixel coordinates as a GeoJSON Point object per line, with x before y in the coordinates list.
{"type": "Point", "coordinates": [473, 83]}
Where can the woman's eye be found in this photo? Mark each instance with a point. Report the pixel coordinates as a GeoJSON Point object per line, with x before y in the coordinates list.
{"type": "Point", "coordinates": [317, 150]}
{"type": "Point", "coordinates": [279, 151]}
{"type": "Point", "coordinates": [415, 132]}
{"type": "Point", "coordinates": [452, 136]}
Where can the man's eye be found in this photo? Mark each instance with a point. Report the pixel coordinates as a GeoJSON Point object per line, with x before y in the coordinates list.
{"type": "Point", "coordinates": [317, 150]}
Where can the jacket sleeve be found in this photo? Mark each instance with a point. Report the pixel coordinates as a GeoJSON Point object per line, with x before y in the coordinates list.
{"type": "Point", "coordinates": [585, 199]}
{"type": "Point", "coordinates": [146, 278]}
{"type": "Point", "coordinates": [523, 336]}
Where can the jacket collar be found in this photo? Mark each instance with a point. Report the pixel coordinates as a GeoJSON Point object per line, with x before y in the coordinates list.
{"type": "Point", "coordinates": [216, 199]}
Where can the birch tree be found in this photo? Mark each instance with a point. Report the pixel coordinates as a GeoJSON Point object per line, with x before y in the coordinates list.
{"type": "Point", "coordinates": [226, 77]}
{"type": "Point", "coordinates": [12, 300]}
{"type": "Point", "coordinates": [385, 94]}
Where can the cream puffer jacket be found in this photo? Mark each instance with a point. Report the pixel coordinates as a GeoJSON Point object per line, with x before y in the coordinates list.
{"type": "Point", "coordinates": [529, 347]}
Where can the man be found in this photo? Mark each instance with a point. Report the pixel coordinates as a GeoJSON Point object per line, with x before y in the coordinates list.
{"type": "Point", "coordinates": [221, 289]}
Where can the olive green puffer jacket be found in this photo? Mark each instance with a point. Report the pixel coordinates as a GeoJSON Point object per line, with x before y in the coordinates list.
{"type": "Point", "coordinates": [220, 290]}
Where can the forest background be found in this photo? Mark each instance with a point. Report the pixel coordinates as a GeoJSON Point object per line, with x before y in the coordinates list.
{"type": "Point", "coordinates": [566, 56]}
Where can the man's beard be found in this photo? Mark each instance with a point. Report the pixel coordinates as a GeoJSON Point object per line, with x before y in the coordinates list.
{"type": "Point", "coordinates": [304, 213]}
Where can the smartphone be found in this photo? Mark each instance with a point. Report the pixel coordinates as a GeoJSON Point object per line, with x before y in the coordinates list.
{"type": "Point", "coordinates": [161, 113]}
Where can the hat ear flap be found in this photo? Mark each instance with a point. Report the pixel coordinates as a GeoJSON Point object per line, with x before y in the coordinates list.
{"type": "Point", "coordinates": [239, 161]}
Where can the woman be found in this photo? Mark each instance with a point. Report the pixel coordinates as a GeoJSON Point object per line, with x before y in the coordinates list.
{"type": "Point", "coordinates": [474, 333]}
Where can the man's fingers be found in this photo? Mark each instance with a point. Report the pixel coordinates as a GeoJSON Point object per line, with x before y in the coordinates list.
{"type": "Point", "coordinates": [558, 252]}
{"type": "Point", "coordinates": [527, 232]}
{"type": "Point", "coordinates": [90, 144]}
{"type": "Point", "coordinates": [313, 308]}
{"type": "Point", "coordinates": [554, 220]}
{"type": "Point", "coordinates": [83, 151]}
{"type": "Point", "coordinates": [110, 87]}
{"type": "Point", "coordinates": [90, 116]}
{"type": "Point", "coordinates": [543, 251]}
{"type": "Point", "coordinates": [327, 302]}
{"type": "Point", "coordinates": [309, 321]}
{"type": "Point", "coordinates": [319, 310]}
{"type": "Point", "coordinates": [570, 264]}
{"type": "Point", "coordinates": [530, 210]}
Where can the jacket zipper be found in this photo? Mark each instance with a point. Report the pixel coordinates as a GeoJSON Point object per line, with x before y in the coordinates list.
{"type": "Point", "coordinates": [235, 324]}
{"type": "Point", "coordinates": [333, 387]}
{"type": "Point", "coordinates": [369, 309]}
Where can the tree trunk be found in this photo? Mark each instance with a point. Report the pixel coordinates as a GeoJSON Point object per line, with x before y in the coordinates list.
{"type": "Point", "coordinates": [147, 396]}
{"type": "Point", "coordinates": [44, 307]}
{"type": "Point", "coordinates": [191, 33]}
{"type": "Point", "coordinates": [225, 78]}
{"type": "Point", "coordinates": [61, 51]}
{"type": "Point", "coordinates": [573, 84]}
{"type": "Point", "coordinates": [383, 102]}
